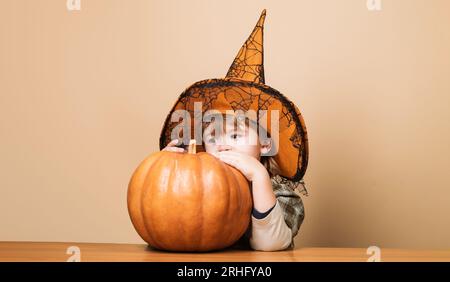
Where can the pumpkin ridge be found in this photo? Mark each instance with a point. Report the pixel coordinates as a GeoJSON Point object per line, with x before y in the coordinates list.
{"type": "Point", "coordinates": [243, 203]}
{"type": "Point", "coordinates": [202, 201]}
{"type": "Point", "coordinates": [220, 219]}
{"type": "Point", "coordinates": [148, 187]}
{"type": "Point", "coordinates": [193, 241]}
{"type": "Point", "coordinates": [237, 193]}
{"type": "Point", "coordinates": [225, 171]}
{"type": "Point", "coordinates": [142, 193]}
{"type": "Point", "coordinates": [180, 238]}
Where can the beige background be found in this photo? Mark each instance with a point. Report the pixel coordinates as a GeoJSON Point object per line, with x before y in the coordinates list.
{"type": "Point", "coordinates": [83, 95]}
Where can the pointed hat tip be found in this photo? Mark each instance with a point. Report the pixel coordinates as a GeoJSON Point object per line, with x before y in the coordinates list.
{"type": "Point", "coordinates": [262, 17]}
{"type": "Point", "coordinates": [248, 64]}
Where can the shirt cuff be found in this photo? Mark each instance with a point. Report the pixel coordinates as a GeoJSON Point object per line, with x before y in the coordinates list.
{"type": "Point", "coordinates": [271, 233]}
{"type": "Point", "coordinates": [261, 215]}
{"type": "Point", "coordinates": [274, 215]}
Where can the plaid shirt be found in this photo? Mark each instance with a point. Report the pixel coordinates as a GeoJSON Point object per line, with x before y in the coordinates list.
{"type": "Point", "coordinates": [290, 202]}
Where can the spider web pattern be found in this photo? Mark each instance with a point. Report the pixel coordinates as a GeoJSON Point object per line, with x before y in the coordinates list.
{"type": "Point", "coordinates": [248, 64]}
{"type": "Point", "coordinates": [241, 95]}
{"type": "Point", "coordinates": [244, 89]}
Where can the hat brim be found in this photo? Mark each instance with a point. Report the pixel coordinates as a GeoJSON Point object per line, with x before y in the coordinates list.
{"type": "Point", "coordinates": [227, 94]}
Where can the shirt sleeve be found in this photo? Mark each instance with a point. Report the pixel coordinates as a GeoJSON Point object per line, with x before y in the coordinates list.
{"type": "Point", "coordinates": [260, 215]}
{"type": "Point", "coordinates": [277, 230]}
{"type": "Point", "coordinates": [271, 232]}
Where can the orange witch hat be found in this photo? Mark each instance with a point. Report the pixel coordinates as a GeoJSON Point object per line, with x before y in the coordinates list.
{"type": "Point", "coordinates": [244, 89]}
{"type": "Point", "coordinates": [249, 62]}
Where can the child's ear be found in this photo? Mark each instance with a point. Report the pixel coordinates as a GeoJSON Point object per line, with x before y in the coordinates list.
{"type": "Point", "coordinates": [266, 146]}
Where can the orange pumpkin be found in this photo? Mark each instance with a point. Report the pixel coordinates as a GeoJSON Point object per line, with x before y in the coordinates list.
{"type": "Point", "coordinates": [188, 201]}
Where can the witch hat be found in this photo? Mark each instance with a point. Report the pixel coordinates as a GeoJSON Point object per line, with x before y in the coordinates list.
{"type": "Point", "coordinates": [244, 89]}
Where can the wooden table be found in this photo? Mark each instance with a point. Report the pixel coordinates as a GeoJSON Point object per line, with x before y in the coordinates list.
{"type": "Point", "coordinates": [57, 252]}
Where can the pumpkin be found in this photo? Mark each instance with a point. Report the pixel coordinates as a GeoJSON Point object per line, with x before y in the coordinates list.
{"type": "Point", "coordinates": [188, 201]}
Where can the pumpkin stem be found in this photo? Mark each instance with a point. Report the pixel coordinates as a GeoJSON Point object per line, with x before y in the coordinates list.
{"type": "Point", "coordinates": [192, 147]}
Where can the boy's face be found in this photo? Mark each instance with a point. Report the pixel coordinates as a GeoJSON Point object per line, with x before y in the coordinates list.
{"type": "Point", "coordinates": [227, 136]}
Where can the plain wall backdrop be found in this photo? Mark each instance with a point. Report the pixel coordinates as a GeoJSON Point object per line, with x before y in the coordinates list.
{"type": "Point", "coordinates": [83, 95]}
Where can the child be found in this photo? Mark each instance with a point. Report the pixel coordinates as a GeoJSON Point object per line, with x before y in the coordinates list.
{"type": "Point", "coordinates": [277, 210]}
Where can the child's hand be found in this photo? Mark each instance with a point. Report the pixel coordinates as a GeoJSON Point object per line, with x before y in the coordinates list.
{"type": "Point", "coordinates": [250, 167]}
{"type": "Point", "coordinates": [171, 147]}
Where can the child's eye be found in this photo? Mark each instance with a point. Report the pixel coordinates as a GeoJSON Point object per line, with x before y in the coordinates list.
{"type": "Point", "coordinates": [211, 140]}
{"type": "Point", "coordinates": [235, 136]}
